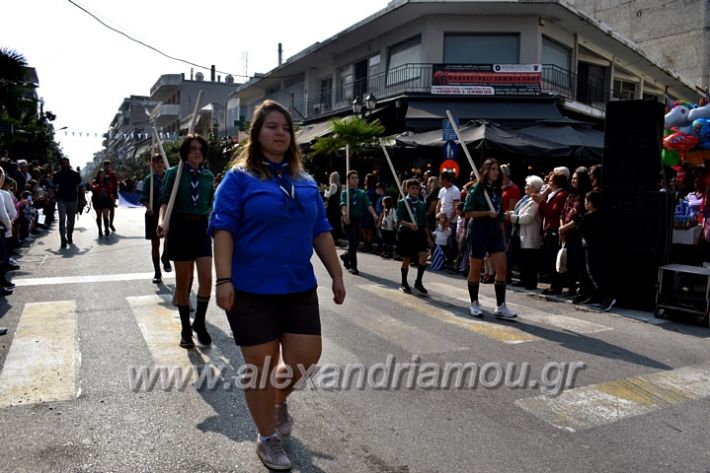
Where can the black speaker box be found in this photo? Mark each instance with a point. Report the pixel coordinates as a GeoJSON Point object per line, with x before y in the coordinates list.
{"type": "Point", "coordinates": [640, 234]}
{"type": "Point", "coordinates": [633, 137]}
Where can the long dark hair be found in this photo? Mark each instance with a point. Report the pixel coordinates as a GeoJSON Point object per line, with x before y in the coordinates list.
{"type": "Point", "coordinates": [252, 157]}
{"type": "Point", "coordinates": [187, 142]}
{"type": "Point", "coordinates": [485, 170]}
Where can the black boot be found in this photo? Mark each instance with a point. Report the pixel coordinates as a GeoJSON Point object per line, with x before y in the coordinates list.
{"type": "Point", "coordinates": [186, 333]}
{"type": "Point", "coordinates": [98, 224]}
{"type": "Point", "coordinates": [199, 324]}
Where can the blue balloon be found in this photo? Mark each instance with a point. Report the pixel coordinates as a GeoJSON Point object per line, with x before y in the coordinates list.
{"type": "Point", "coordinates": [701, 128]}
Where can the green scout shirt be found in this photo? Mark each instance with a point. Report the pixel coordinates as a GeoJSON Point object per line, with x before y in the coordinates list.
{"type": "Point", "coordinates": [359, 202]}
{"type": "Point", "coordinates": [183, 201]}
{"type": "Point", "coordinates": [418, 209]}
{"type": "Point", "coordinates": [476, 201]}
{"type": "Point", "coordinates": [157, 187]}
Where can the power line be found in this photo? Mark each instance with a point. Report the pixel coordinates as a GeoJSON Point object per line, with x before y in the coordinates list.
{"type": "Point", "coordinates": [153, 48]}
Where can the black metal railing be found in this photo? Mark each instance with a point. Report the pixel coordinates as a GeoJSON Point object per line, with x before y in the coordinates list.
{"type": "Point", "coordinates": [417, 78]}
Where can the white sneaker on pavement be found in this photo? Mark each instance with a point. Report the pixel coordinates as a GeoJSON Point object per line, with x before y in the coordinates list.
{"type": "Point", "coordinates": [475, 309]}
{"type": "Point", "coordinates": [271, 452]}
{"type": "Point", "coordinates": [502, 312]}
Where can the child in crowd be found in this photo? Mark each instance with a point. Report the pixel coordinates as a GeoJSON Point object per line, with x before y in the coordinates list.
{"type": "Point", "coordinates": [441, 240]}
{"type": "Point", "coordinates": [388, 223]}
{"type": "Point", "coordinates": [412, 236]}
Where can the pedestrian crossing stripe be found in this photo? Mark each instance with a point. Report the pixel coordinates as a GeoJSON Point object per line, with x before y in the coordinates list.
{"type": "Point", "coordinates": [411, 338]}
{"type": "Point", "coordinates": [42, 364]}
{"type": "Point", "coordinates": [599, 404]}
{"type": "Point", "coordinates": [502, 333]}
{"type": "Point", "coordinates": [160, 326]}
{"type": "Point", "coordinates": [526, 313]}
{"type": "Point", "coordinates": [24, 282]}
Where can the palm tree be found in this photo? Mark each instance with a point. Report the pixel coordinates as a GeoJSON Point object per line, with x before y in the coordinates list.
{"type": "Point", "coordinates": [356, 132]}
{"type": "Point", "coordinates": [16, 93]}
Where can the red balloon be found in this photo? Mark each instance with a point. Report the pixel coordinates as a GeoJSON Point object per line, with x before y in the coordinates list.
{"type": "Point", "coordinates": [680, 141]}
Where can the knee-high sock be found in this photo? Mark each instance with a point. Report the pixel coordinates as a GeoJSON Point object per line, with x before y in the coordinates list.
{"type": "Point", "coordinates": [473, 291]}
{"type": "Point", "coordinates": [106, 222]}
{"type": "Point", "coordinates": [184, 311]}
{"type": "Point", "coordinates": [405, 272]}
{"type": "Point", "coordinates": [98, 222]}
{"type": "Point", "coordinates": [420, 273]}
{"type": "Point", "coordinates": [500, 292]}
{"type": "Point", "coordinates": [156, 264]}
{"type": "Point", "coordinates": [200, 312]}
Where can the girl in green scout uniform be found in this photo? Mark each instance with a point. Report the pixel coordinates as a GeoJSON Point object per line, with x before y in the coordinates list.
{"type": "Point", "coordinates": [187, 242]}
{"type": "Point", "coordinates": [151, 214]}
{"type": "Point", "coordinates": [485, 235]}
{"type": "Point", "coordinates": [412, 237]}
{"type": "Point", "coordinates": [352, 222]}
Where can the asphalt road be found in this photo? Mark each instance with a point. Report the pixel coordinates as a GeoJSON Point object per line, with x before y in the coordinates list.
{"type": "Point", "coordinates": [83, 319]}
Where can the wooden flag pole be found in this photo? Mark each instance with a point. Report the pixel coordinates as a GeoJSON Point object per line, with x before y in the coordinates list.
{"type": "Point", "coordinates": [150, 163]}
{"type": "Point", "coordinates": [396, 179]}
{"type": "Point", "coordinates": [162, 150]}
{"type": "Point", "coordinates": [181, 165]}
{"type": "Point", "coordinates": [347, 180]}
{"type": "Point", "coordinates": [470, 159]}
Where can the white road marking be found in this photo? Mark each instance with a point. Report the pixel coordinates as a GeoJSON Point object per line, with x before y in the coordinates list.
{"type": "Point", "coordinates": [526, 313]}
{"type": "Point", "coordinates": [499, 332]}
{"type": "Point", "coordinates": [20, 282]}
{"type": "Point", "coordinates": [599, 404]}
{"type": "Point", "coordinates": [42, 364]}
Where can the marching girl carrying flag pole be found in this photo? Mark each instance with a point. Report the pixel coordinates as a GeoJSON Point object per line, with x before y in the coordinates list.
{"type": "Point", "coordinates": [485, 230]}
{"type": "Point", "coordinates": [152, 184]}
{"type": "Point", "coordinates": [190, 195]}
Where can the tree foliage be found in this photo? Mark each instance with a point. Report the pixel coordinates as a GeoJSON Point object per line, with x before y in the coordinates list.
{"type": "Point", "coordinates": [356, 132]}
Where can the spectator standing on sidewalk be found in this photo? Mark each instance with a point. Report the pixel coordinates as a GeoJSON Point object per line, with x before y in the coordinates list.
{"type": "Point", "coordinates": [151, 215]}
{"type": "Point", "coordinates": [268, 219]}
{"type": "Point", "coordinates": [6, 219]}
{"type": "Point", "coordinates": [69, 192]}
{"type": "Point", "coordinates": [449, 196]}
{"type": "Point", "coordinates": [187, 242]}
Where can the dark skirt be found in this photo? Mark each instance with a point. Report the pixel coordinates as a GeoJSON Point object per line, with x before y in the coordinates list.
{"type": "Point", "coordinates": [101, 203]}
{"type": "Point", "coordinates": [187, 238]}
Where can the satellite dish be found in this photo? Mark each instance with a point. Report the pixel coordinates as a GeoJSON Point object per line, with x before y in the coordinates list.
{"type": "Point", "coordinates": [199, 76]}
{"type": "Point", "coordinates": [229, 79]}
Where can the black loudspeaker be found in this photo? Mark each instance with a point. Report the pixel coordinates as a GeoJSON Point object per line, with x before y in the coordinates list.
{"type": "Point", "coordinates": [640, 229]}
{"type": "Point", "coordinates": [632, 145]}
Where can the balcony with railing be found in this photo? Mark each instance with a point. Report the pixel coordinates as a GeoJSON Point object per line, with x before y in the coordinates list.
{"type": "Point", "coordinates": [417, 79]}
{"type": "Point", "coordinates": [166, 85]}
{"type": "Point", "coordinates": [165, 113]}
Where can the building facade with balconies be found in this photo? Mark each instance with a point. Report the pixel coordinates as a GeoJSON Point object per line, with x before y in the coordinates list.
{"type": "Point", "coordinates": [129, 128]}
{"type": "Point", "coordinates": [398, 53]}
{"type": "Point", "coordinates": [175, 99]}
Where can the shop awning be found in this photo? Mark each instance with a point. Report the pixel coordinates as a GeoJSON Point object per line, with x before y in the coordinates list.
{"type": "Point", "coordinates": [428, 114]}
{"type": "Point", "coordinates": [586, 142]}
{"type": "Point", "coordinates": [308, 133]}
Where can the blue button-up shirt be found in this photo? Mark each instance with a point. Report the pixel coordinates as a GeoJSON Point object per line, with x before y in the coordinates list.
{"type": "Point", "coordinates": [273, 234]}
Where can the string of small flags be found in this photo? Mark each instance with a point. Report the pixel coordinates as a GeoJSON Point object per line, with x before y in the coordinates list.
{"type": "Point", "coordinates": [164, 136]}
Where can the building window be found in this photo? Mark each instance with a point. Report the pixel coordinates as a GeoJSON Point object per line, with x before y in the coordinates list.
{"type": "Point", "coordinates": [401, 54]}
{"type": "Point", "coordinates": [624, 90]}
{"type": "Point", "coordinates": [481, 48]}
{"type": "Point", "coordinates": [326, 94]}
{"type": "Point", "coordinates": [556, 54]}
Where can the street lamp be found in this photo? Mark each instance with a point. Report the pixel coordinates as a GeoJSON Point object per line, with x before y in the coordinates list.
{"type": "Point", "coordinates": [364, 108]}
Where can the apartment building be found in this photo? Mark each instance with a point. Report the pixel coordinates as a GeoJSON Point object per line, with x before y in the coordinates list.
{"type": "Point", "coordinates": [417, 58]}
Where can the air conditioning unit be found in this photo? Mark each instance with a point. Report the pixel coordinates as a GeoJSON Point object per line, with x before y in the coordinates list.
{"type": "Point", "coordinates": [317, 108]}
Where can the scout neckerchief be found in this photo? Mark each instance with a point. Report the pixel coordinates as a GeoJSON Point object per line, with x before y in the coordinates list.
{"type": "Point", "coordinates": [281, 175]}
{"type": "Point", "coordinates": [194, 183]}
{"type": "Point", "coordinates": [413, 202]}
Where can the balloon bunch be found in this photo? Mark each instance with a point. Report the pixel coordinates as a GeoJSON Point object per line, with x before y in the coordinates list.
{"type": "Point", "coordinates": [687, 134]}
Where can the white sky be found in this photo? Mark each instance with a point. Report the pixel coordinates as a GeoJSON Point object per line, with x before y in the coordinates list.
{"type": "Point", "coordinates": [85, 70]}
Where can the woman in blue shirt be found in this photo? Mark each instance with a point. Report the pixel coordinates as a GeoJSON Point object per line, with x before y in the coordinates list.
{"type": "Point", "coordinates": [267, 219]}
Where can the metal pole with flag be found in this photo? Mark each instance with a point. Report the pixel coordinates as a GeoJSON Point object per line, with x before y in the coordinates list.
{"type": "Point", "coordinates": [470, 159]}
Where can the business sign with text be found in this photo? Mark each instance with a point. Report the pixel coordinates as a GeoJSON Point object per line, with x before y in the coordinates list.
{"type": "Point", "coordinates": [486, 79]}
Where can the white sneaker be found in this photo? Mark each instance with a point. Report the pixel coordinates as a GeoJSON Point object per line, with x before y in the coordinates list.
{"type": "Point", "coordinates": [502, 312]}
{"type": "Point", "coordinates": [475, 309]}
{"type": "Point", "coordinates": [272, 453]}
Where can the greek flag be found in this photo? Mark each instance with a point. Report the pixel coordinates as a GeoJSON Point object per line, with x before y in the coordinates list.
{"type": "Point", "coordinates": [437, 260]}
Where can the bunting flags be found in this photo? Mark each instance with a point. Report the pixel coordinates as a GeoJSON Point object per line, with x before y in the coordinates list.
{"type": "Point", "coordinates": [134, 136]}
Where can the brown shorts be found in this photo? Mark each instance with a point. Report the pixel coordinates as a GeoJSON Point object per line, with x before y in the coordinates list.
{"type": "Point", "coordinates": [261, 318]}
